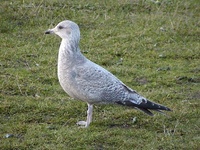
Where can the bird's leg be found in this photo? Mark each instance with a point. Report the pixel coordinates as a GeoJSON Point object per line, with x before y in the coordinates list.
{"type": "Point", "coordinates": [89, 117]}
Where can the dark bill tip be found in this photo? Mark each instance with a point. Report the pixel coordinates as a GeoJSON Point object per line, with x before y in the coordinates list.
{"type": "Point", "coordinates": [47, 32]}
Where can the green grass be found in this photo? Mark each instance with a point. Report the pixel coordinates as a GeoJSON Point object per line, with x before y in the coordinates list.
{"type": "Point", "coordinates": [160, 47]}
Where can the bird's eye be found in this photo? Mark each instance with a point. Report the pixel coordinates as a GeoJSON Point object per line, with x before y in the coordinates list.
{"type": "Point", "coordinates": [60, 27]}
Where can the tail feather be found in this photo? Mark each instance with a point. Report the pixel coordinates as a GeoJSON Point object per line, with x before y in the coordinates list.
{"type": "Point", "coordinates": [145, 106]}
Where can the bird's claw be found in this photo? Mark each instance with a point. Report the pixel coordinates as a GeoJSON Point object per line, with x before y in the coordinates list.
{"type": "Point", "coordinates": [82, 124]}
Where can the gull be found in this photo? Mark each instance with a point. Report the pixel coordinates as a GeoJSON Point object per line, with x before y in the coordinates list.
{"type": "Point", "coordinates": [84, 80]}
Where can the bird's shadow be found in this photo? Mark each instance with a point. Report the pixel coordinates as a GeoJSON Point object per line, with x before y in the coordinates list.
{"type": "Point", "coordinates": [121, 123]}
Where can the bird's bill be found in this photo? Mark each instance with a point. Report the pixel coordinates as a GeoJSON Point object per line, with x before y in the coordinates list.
{"type": "Point", "coordinates": [50, 31]}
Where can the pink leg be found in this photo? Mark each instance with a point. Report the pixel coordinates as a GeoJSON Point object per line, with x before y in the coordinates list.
{"type": "Point", "coordinates": [89, 117]}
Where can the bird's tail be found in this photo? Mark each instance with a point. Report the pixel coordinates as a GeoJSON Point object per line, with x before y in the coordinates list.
{"type": "Point", "coordinates": [145, 106]}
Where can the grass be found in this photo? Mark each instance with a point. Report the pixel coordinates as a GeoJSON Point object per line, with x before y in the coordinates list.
{"type": "Point", "coordinates": [152, 46]}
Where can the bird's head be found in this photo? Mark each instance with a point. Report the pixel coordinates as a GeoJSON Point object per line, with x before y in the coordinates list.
{"type": "Point", "coordinates": [66, 30]}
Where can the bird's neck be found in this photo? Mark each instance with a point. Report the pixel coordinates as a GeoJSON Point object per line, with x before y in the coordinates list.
{"type": "Point", "coordinates": [69, 52]}
{"type": "Point", "coordinates": [69, 45]}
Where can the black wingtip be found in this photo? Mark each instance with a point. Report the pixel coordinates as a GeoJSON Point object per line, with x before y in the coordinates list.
{"type": "Point", "coordinates": [153, 106]}
{"type": "Point", "coordinates": [167, 109]}
{"type": "Point", "coordinates": [146, 106]}
{"type": "Point", "coordinates": [146, 111]}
